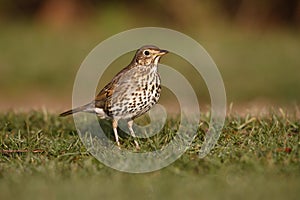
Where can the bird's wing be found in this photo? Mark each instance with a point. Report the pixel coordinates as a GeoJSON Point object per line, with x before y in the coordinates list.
{"type": "Point", "coordinates": [107, 92]}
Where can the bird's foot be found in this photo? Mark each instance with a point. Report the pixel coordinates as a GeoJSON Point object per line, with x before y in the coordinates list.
{"type": "Point", "coordinates": [137, 146]}
{"type": "Point", "coordinates": [119, 145]}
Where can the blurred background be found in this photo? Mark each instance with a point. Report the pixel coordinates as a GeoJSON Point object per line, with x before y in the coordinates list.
{"type": "Point", "coordinates": [255, 44]}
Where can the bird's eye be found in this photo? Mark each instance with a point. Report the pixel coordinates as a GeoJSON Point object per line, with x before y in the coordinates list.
{"type": "Point", "coordinates": [146, 53]}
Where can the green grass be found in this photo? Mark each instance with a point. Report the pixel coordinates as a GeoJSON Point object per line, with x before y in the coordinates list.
{"type": "Point", "coordinates": [255, 158]}
{"type": "Point", "coordinates": [254, 64]}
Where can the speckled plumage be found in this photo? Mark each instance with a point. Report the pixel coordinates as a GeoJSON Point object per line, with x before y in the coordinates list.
{"type": "Point", "coordinates": [131, 93]}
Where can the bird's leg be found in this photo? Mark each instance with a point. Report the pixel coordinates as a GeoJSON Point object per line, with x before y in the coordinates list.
{"type": "Point", "coordinates": [115, 126]}
{"type": "Point", "coordinates": [130, 123]}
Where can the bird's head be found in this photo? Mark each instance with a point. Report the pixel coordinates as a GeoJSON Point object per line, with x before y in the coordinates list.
{"type": "Point", "coordinates": [148, 55]}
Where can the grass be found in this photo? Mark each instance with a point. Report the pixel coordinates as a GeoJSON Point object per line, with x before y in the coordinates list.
{"type": "Point", "coordinates": [254, 64]}
{"type": "Point", "coordinates": [256, 157]}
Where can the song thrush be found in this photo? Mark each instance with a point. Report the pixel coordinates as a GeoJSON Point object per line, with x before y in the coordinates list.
{"type": "Point", "coordinates": [131, 92]}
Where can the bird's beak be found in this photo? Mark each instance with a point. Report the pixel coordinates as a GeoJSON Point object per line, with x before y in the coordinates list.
{"type": "Point", "coordinates": [163, 52]}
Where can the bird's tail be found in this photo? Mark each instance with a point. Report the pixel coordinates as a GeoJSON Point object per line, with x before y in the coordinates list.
{"type": "Point", "coordinates": [85, 108]}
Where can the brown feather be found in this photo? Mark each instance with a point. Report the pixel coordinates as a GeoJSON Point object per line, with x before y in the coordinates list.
{"type": "Point", "coordinates": [85, 108]}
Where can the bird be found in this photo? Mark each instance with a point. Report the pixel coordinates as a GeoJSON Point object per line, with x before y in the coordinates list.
{"type": "Point", "coordinates": [131, 92]}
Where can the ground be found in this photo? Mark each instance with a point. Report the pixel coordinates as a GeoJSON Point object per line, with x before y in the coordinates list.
{"type": "Point", "coordinates": [255, 157]}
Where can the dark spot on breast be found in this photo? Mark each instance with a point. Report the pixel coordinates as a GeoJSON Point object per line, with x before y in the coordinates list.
{"type": "Point", "coordinates": [152, 88]}
{"type": "Point", "coordinates": [118, 109]}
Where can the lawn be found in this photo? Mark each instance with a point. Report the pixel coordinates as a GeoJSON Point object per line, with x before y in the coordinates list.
{"type": "Point", "coordinates": [256, 157]}
{"type": "Point", "coordinates": [255, 66]}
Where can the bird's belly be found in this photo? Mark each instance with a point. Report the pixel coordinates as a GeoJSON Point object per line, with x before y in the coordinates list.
{"type": "Point", "coordinates": [136, 100]}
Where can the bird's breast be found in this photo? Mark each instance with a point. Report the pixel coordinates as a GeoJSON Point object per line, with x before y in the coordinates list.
{"type": "Point", "coordinates": [135, 96]}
